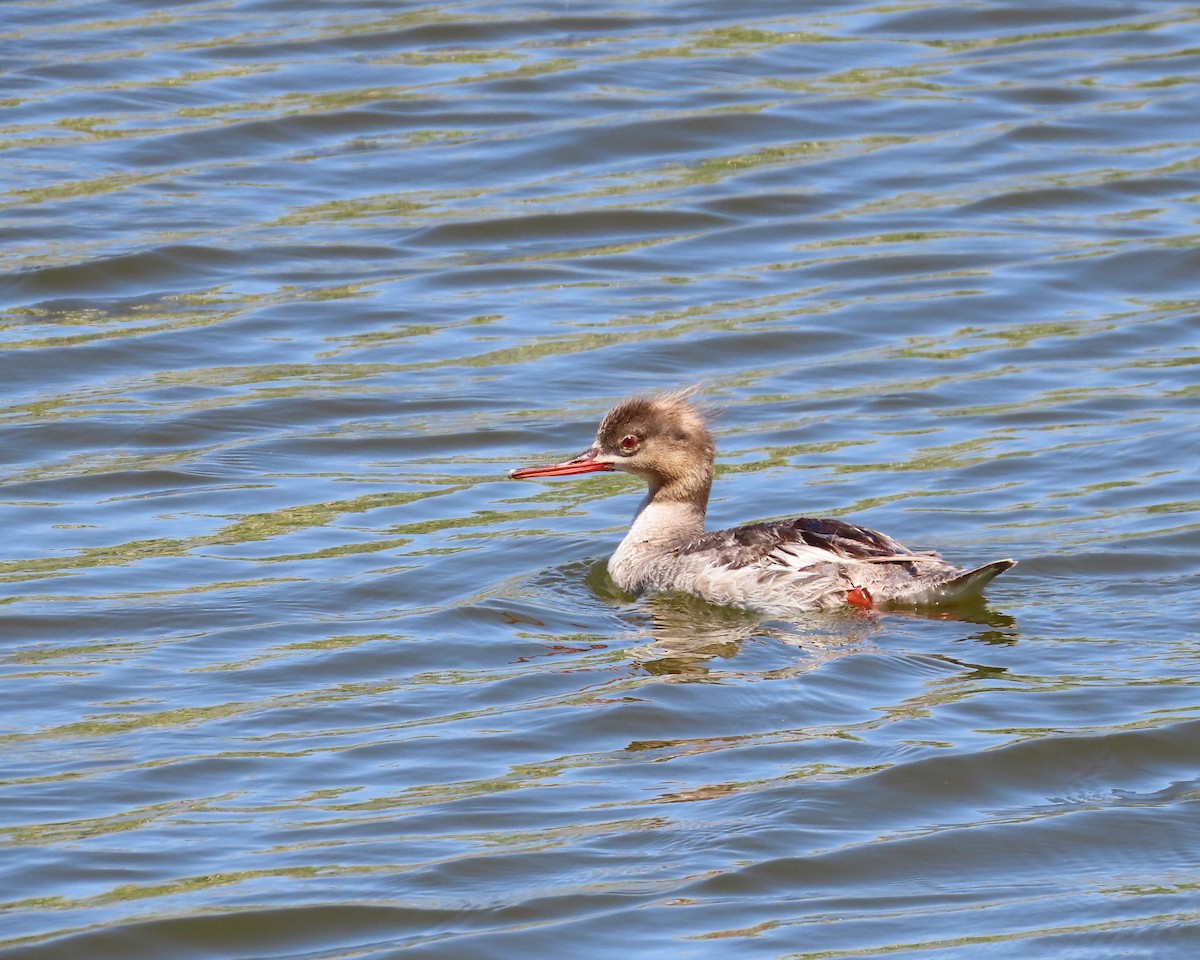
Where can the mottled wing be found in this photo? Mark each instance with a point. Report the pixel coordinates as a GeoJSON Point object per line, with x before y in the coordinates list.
{"type": "Point", "coordinates": [805, 539]}
{"type": "Point", "coordinates": [846, 541]}
{"type": "Point", "coordinates": [816, 563]}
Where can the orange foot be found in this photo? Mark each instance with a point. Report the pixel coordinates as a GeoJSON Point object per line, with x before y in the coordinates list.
{"type": "Point", "coordinates": [860, 597]}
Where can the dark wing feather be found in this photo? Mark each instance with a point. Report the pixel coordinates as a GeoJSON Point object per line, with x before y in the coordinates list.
{"type": "Point", "coordinates": [742, 546]}
{"type": "Point", "coordinates": [848, 540]}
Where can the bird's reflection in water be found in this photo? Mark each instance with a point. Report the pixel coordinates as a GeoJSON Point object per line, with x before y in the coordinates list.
{"type": "Point", "coordinates": [688, 634]}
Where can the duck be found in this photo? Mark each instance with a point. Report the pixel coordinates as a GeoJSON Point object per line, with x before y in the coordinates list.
{"type": "Point", "coordinates": [772, 567]}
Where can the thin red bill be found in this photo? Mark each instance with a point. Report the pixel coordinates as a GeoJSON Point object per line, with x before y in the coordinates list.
{"type": "Point", "coordinates": [584, 463]}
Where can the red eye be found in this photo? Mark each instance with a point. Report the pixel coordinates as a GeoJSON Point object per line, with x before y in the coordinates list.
{"type": "Point", "coordinates": [629, 443]}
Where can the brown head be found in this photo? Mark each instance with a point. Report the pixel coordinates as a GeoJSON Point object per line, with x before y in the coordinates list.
{"type": "Point", "coordinates": [661, 439]}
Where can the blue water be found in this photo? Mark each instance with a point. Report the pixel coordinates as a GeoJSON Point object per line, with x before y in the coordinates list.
{"type": "Point", "coordinates": [291, 668]}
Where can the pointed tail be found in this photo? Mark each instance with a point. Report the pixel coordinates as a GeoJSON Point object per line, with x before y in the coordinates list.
{"type": "Point", "coordinates": [969, 584]}
{"type": "Point", "coordinates": [972, 582]}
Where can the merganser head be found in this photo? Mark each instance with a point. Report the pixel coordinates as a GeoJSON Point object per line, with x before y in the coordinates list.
{"type": "Point", "coordinates": [663, 440]}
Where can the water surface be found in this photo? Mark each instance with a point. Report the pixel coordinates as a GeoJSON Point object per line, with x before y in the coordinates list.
{"type": "Point", "coordinates": [292, 670]}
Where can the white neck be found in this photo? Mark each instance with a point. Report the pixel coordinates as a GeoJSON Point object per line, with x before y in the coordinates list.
{"type": "Point", "coordinates": [659, 526]}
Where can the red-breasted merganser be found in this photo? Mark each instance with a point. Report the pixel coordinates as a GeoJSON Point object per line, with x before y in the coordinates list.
{"type": "Point", "coordinates": [773, 567]}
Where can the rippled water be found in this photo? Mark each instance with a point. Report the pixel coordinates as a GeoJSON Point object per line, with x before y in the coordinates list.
{"type": "Point", "coordinates": [291, 670]}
